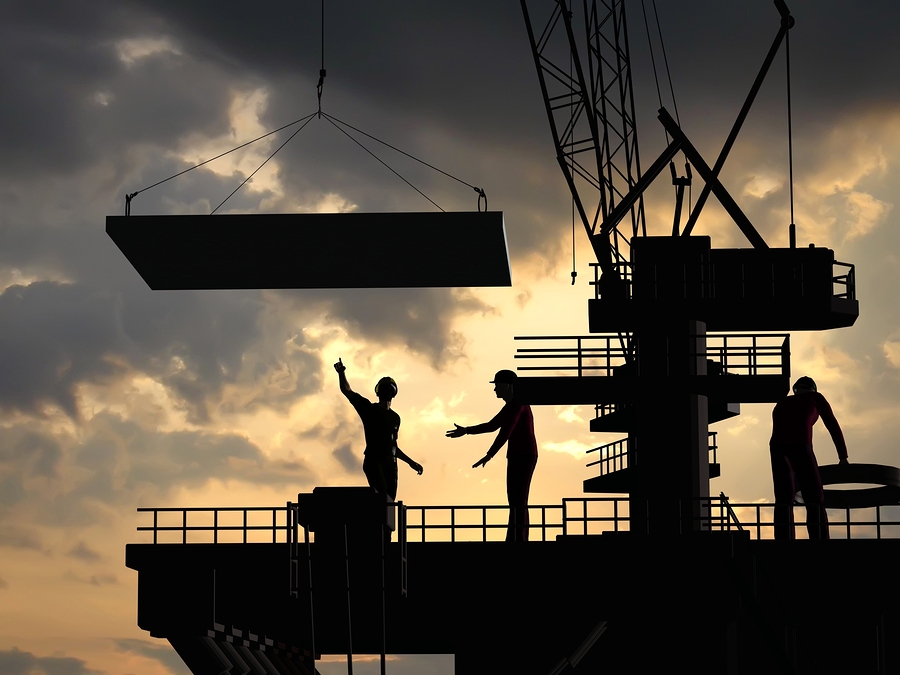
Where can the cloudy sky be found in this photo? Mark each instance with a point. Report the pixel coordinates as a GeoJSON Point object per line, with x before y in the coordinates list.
{"type": "Point", "coordinates": [114, 397]}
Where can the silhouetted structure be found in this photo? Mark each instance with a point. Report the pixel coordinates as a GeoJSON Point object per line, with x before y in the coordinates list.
{"type": "Point", "coordinates": [315, 250]}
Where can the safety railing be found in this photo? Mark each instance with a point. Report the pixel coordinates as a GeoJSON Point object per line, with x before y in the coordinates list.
{"type": "Point", "coordinates": [577, 516]}
{"type": "Point", "coordinates": [736, 353]}
{"type": "Point", "coordinates": [239, 525]}
{"type": "Point", "coordinates": [611, 456]}
{"type": "Point", "coordinates": [758, 519]}
{"type": "Point", "coordinates": [844, 284]}
{"type": "Point", "coordinates": [584, 354]}
{"type": "Point", "coordinates": [615, 456]}
{"type": "Point", "coordinates": [747, 354]}
{"type": "Point", "coordinates": [623, 268]}
{"type": "Point", "coordinates": [590, 515]}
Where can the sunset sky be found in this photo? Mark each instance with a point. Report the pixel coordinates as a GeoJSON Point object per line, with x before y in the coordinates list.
{"type": "Point", "coordinates": [113, 396]}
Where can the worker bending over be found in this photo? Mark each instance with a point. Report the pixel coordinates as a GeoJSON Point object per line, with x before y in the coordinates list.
{"type": "Point", "coordinates": [793, 461]}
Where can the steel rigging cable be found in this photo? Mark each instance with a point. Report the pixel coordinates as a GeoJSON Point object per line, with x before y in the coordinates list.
{"type": "Point", "coordinates": [482, 196]}
{"type": "Point", "coordinates": [792, 229]}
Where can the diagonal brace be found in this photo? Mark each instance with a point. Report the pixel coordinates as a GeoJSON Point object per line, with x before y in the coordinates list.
{"type": "Point", "coordinates": [712, 181]}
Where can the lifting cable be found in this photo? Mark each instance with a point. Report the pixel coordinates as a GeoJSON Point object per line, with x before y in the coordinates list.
{"type": "Point", "coordinates": [321, 83]}
{"type": "Point", "coordinates": [792, 231]}
{"type": "Point", "coordinates": [303, 121]}
{"type": "Point", "coordinates": [571, 158]}
{"type": "Point", "coordinates": [132, 195]}
{"type": "Point", "coordinates": [266, 161]}
{"type": "Point", "coordinates": [481, 194]}
{"type": "Point", "coordinates": [653, 60]}
{"type": "Point", "coordinates": [662, 43]}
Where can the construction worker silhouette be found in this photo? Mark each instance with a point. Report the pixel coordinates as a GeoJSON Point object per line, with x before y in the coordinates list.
{"type": "Point", "coordinates": [516, 425]}
{"type": "Point", "coordinates": [381, 426]}
{"type": "Point", "coordinates": [793, 461]}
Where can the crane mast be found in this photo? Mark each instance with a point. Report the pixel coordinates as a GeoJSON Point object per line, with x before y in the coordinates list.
{"type": "Point", "coordinates": [587, 90]}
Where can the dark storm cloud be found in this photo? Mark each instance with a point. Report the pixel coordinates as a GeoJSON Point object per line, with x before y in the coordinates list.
{"type": "Point", "coordinates": [16, 662]}
{"type": "Point", "coordinates": [122, 459]}
{"type": "Point", "coordinates": [346, 458]}
{"type": "Point", "coordinates": [58, 336]}
{"type": "Point", "coordinates": [114, 463]}
{"type": "Point", "coordinates": [419, 319]}
{"type": "Point", "coordinates": [59, 67]}
{"type": "Point", "coordinates": [160, 651]}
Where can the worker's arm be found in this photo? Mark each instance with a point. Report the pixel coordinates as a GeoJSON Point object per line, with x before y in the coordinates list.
{"type": "Point", "coordinates": [413, 464]}
{"type": "Point", "coordinates": [831, 423]}
{"type": "Point", "coordinates": [342, 379]}
{"type": "Point", "coordinates": [506, 421]}
{"type": "Point", "coordinates": [487, 427]}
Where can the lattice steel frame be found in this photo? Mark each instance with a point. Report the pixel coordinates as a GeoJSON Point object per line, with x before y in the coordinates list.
{"type": "Point", "coordinates": [590, 106]}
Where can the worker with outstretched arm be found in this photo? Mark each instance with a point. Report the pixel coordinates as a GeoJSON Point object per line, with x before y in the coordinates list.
{"type": "Point", "coordinates": [381, 425]}
{"type": "Point", "coordinates": [515, 424]}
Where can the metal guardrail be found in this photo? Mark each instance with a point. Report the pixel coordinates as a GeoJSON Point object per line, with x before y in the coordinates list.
{"type": "Point", "coordinates": [235, 524]}
{"type": "Point", "coordinates": [596, 354]}
{"type": "Point", "coordinates": [736, 353]}
{"type": "Point", "coordinates": [614, 456]}
{"type": "Point", "coordinates": [750, 354]}
{"type": "Point", "coordinates": [845, 283]}
{"type": "Point", "coordinates": [843, 280]}
{"type": "Point", "coordinates": [625, 270]}
{"type": "Point", "coordinates": [577, 516]}
{"type": "Point", "coordinates": [588, 515]}
{"type": "Point", "coordinates": [757, 518]}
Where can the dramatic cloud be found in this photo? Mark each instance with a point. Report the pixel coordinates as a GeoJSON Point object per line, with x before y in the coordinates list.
{"type": "Point", "coordinates": [157, 651]}
{"type": "Point", "coordinates": [16, 662]}
{"type": "Point", "coordinates": [18, 537]}
{"type": "Point", "coordinates": [61, 336]}
{"type": "Point", "coordinates": [113, 463]}
{"type": "Point", "coordinates": [84, 553]}
{"type": "Point", "coordinates": [347, 459]}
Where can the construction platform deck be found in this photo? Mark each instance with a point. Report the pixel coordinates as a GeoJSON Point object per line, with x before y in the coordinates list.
{"type": "Point", "coordinates": [617, 602]}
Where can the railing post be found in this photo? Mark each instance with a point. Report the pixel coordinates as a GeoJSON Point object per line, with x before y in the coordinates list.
{"type": "Point", "coordinates": [216, 526]}
{"type": "Point", "coordinates": [184, 526]}
{"type": "Point", "coordinates": [579, 357]}
{"type": "Point", "coordinates": [452, 525]}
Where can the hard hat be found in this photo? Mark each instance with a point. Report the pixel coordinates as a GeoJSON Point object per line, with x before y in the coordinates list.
{"type": "Point", "coordinates": [805, 383]}
{"type": "Point", "coordinates": [505, 377]}
{"type": "Point", "coordinates": [380, 392]}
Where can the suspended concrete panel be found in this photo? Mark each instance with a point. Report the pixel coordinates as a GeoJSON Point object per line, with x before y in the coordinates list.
{"type": "Point", "coordinates": [315, 250]}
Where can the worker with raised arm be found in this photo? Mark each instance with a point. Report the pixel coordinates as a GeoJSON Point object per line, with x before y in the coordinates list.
{"type": "Point", "coordinates": [793, 461]}
{"type": "Point", "coordinates": [381, 425]}
{"type": "Point", "coordinates": [515, 424]}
